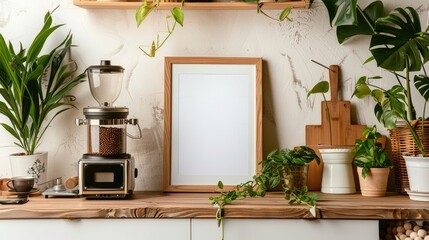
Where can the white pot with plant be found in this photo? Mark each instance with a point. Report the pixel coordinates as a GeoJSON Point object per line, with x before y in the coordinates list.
{"type": "Point", "coordinates": [337, 177]}
{"type": "Point", "coordinates": [400, 46]}
{"type": "Point", "coordinates": [373, 165]}
{"type": "Point", "coordinates": [32, 89]}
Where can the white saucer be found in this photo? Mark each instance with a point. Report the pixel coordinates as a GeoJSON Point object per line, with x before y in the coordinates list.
{"type": "Point", "coordinates": [418, 196]}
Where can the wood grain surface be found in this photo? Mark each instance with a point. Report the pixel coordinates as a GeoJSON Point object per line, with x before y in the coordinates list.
{"type": "Point", "coordinates": [197, 205]}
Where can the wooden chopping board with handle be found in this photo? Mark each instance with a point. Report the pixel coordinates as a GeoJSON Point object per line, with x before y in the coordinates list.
{"type": "Point", "coordinates": [343, 132]}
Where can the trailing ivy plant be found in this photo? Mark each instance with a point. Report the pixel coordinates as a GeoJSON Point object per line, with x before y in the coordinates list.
{"type": "Point", "coordinates": [276, 170]}
{"type": "Point", "coordinates": [369, 152]}
{"type": "Point", "coordinates": [176, 14]}
{"type": "Point", "coordinates": [398, 45]}
{"type": "Point", "coordinates": [178, 18]}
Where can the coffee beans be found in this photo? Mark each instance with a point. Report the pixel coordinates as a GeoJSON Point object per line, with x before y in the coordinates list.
{"type": "Point", "coordinates": [112, 141]}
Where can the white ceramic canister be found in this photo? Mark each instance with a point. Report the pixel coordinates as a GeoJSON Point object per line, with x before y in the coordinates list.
{"type": "Point", "coordinates": [337, 175]}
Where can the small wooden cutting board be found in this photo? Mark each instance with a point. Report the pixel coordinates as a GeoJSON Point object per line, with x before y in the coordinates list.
{"type": "Point", "coordinates": [343, 132]}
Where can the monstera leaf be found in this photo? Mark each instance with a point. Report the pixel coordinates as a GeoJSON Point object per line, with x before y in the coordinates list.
{"type": "Point", "coordinates": [365, 22]}
{"type": "Point", "coordinates": [422, 84]}
{"type": "Point", "coordinates": [342, 11]}
{"type": "Point", "coordinates": [399, 41]}
{"type": "Point", "coordinates": [351, 20]}
{"type": "Point", "coordinates": [390, 105]}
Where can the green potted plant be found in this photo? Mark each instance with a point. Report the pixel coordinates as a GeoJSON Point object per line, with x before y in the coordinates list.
{"type": "Point", "coordinates": [337, 177]}
{"type": "Point", "coordinates": [32, 88]}
{"type": "Point", "coordinates": [372, 163]}
{"type": "Point", "coordinates": [287, 167]}
{"type": "Point", "coordinates": [400, 46]}
{"type": "Point", "coordinates": [178, 17]}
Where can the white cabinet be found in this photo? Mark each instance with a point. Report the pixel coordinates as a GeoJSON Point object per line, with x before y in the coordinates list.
{"type": "Point", "coordinates": [92, 229]}
{"type": "Point", "coordinates": [282, 229]}
{"type": "Point", "coordinates": [187, 229]}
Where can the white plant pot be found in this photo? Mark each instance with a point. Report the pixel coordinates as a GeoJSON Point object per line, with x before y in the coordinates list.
{"type": "Point", "coordinates": [35, 165]}
{"type": "Point", "coordinates": [418, 177]}
{"type": "Point", "coordinates": [337, 175]}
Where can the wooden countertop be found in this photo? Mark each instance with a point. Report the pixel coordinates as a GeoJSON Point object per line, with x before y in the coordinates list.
{"type": "Point", "coordinates": [197, 205]}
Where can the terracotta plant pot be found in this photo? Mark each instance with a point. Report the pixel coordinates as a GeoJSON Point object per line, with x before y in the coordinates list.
{"type": "Point", "coordinates": [375, 183]}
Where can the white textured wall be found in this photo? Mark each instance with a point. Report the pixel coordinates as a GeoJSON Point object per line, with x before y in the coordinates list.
{"type": "Point", "coordinates": [287, 49]}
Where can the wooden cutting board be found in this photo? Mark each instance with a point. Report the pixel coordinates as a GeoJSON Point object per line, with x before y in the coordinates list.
{"type": "Point", "coordinates": [343, 132]}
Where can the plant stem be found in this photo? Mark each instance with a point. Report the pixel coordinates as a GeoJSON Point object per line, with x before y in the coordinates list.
{"type": "Point", "coordinates": [411, 111]}
{"type": "Point", "coordinates": [259, 6]}
{"type": "Point", "coordinates": [416, 138]}
{"type": "Point", "coordinates": [329, 118]}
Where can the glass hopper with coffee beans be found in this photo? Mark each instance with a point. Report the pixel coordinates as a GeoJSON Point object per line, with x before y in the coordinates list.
{"type": "Point", "coordinates": [106, 170]}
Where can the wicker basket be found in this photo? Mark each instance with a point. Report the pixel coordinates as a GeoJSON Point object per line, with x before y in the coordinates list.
{"type": "Point", "coordinates": [403, 143]}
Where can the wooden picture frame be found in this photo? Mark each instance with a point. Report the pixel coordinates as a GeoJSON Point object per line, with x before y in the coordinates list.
{"type": "Point", "coordinates": [212, 122]}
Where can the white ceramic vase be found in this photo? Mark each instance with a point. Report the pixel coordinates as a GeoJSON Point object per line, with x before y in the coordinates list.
{"type": "Point", "coordinates": [35, 165]}
{"type": "Point", "coordinates": [337, 175]}
{"type": "Point", "coordinates": [418, 177]}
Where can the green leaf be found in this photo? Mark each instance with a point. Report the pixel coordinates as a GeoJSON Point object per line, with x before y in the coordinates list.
{"type": "Point", "coordinates": [370, 59]}
{"type": "Point", "coordinates": [152, 49]}
{"type": "Point", "coordinates": [320, 87]}
{"type": "Point", "coordinates": [342, 11]}
{"type": "Point", "coordinates": [178, 15]}
{"type": "Point", "coordinates": [390, 105]}
{"type": "Point", "coordinates": [285, 14]}
{"type": "Point", "coordinates": [399, 41]}
{"type": "Point", "coordinates": [365, 22]}
{"type": "Point", "coordinates": [143, 11]}
{"type": "Point", "coordinates": [422, 84]}
{"type": "Point", "coordinates": [361, 91]}
{"type": "Point", "coordinates": [220, 185]}
{"type": "Point", "coordinates": [38, 43]}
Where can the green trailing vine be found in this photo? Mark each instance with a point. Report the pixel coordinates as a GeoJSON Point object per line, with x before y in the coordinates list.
{"type": "Point", "coordinates": [177, 17]}
{"type": "Point", "coordinates": [276, 170]}
{"type": "Point", "coordinates": [176, 14]}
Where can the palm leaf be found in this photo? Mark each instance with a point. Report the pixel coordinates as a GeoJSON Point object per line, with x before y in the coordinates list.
{"type": "Point", "coordinates": [21, 86]}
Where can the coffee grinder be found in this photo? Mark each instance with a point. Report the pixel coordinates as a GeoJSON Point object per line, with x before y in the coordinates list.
{"type": "Point", "coordinates": [106, 170]}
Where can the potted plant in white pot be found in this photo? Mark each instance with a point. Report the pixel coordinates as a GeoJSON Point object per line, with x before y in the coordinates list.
{"type": "Point", "coordinates": [32, 89]}
{"type": "Point", "coordinates": [398, 45]}
{"type": "Point", "coordinates": [337, 172]}
{"type": "Point", "coordinates": [373, 165]}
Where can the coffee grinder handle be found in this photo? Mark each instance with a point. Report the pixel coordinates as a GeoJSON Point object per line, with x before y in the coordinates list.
{"type": "Point", "coordinates": [135, 121]}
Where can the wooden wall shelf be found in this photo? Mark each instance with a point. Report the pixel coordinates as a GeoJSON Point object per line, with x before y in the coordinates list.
{"type": "Point", "coordinates": [192, 5]}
